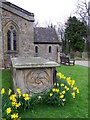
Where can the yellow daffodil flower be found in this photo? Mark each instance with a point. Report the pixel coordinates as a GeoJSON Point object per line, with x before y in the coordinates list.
{"type": "Point", "coordinates": [68, 78]}
{"type": "Point", "coordinates": [54, 84]}
{"type": "Point", "coordinates": [8, 110]}
{"type": "Point", "coordinates": [60, 93]}
{"type": "Point", "coordinates": [73, 94]}
{"type": "Point", "coordinates": [14, 116]}
{"type": "Point", "coordinates": [63, 92]}
{"type": "Point", "coordinates": [18, 105]}
{"type": "Point", "coordinates": [51, 94]}
{"type": "Point", "coordinates": [62, 85]}
{"type": "Point", "coordinates": [61, 96]}
{"type": "Point", "coordinates": [53, 89]}
{"type": "Point", "coordinates": [2, 91]}
{"type": "Point", "coordinates": [24, 95]}
{"type": "Point", "coordinates": [57, 90]}
{"type": "Point", "coordinates": [9, 92]}
{"type": "Point", "coordinates": [26, 98]}
{"type": "Point", "coordinates": [13, 103]}
{"type": "Point", "coordinates": [39, 97]}
{"type": "Point", "coordinates": [63, 100]}
{"type": "Point", "coordinates": [73, 82]}
{"type": "Point", "coordinates": [19, 92]}
{"type": "Point", "coordinates": [57, 84]}
{"type": "Point", "coordinates": [67, 89]}
{"type": "Point", "coordinates": [77, 90]}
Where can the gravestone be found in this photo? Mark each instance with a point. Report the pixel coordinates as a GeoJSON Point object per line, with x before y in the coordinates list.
{"type": "Point", "coordinates": [33, 74]}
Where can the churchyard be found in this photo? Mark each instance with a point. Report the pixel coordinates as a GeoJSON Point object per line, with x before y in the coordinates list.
{"type": "Point", "coordinates": [72, 108]}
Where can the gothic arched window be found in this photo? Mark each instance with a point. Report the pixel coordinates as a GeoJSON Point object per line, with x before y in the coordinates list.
{"type": "Point", "coordinates": [11, 38]}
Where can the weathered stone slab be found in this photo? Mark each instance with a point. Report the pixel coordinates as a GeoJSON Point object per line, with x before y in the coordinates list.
{"type": "Point", "coordinates": [33, 74]}
{"type": "Point", "coordinates": [32, 62]}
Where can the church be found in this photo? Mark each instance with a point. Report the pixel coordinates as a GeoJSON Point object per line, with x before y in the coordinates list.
{"type": "Point", "coordinates": [19, 37]}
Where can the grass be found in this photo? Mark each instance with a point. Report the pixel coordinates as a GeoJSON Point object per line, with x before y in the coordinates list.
{"type": "Point", "coordinates": [77, 108]}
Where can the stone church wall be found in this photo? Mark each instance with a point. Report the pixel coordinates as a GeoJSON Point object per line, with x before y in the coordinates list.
{"type": "Point", "coordinates": [25, 35]}
{"type": "Point", "coordinates": [43, 51]}
{"type": "Point", "coordinates": [1, 42]}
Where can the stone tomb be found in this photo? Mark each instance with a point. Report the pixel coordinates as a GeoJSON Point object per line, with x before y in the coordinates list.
{"type": "Point", "coordinates": [33, 74]}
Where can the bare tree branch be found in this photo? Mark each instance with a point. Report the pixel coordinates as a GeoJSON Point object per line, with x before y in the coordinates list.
{"type": "Point", "coordinates": [82, 10]}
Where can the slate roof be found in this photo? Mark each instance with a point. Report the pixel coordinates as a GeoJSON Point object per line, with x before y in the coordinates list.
{"type": "Point", "coordinates": [45, 36]}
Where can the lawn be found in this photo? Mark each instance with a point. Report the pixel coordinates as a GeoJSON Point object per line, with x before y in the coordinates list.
{"type": "Point", "coordinates": [77, 108]}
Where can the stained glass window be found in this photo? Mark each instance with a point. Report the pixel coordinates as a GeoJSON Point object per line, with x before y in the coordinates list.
{"type": "Point", "coordinates": [9, 40]}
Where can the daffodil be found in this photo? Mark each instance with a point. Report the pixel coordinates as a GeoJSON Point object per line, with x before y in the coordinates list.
{"type": "Point", "coordinates": [13, 103]}
{"type": "Point", "coordinates": [51, 94]}
{"type": "Point", "coordinates": [39, 97]}
{"type": "Point", "coordinates": [53, 90]}
{"type": "Point", "coordinates": [18, 105]}
{"type": "Point", "coordinates": [60, 93]}
{"type": "Point", "coordinates": [8, 110]}
{"type": "Point", "coordinates": [9, 92]}
{"type": "Point", "coordinates": [26, 98]}
{"type": "Point", "coordinates": [73, 94]}
{"type": "Point", "coordinates": [57, 90]}
{"type": "Point", "coordinates": [67, 89]}
{"type": "Point", "coordinates": [19, 92]}
{"type": "Point", "coordinates": [63, 92]}
{"type": "Point", "coordinates": [59, 74]}
{"type": "Point", "coordinates": [24, 95]}
{"type": "Point", "coordinates": [14, 116]}
{"type": "Point", "coordinates": [77, 90]}
{"type": "Point", "coordinates": [73, 82]}
{"type": "Point", "coordinates": [62, 85]}
{"type": "Point", "coordinates": [57, 84]}
{"type": "Point", "coordinates": [2, 91]}
{"type": "Point", "coordinates": [63, 100]}
{"type": "Point", "coordinates": [61, 96]}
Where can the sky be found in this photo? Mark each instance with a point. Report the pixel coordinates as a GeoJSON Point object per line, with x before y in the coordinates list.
{"type": "Point", "coordinates": [48, 11]}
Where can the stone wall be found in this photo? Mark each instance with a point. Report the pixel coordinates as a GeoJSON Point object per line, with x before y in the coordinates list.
{"type": "Point", "coordinates": [25, 35]}
{"type": "Point", "coordinates": [23, 21]}
{"type": "Point", "coordinates": [43, 51]}
{"type": "Point", "coordinates": [1, 42]}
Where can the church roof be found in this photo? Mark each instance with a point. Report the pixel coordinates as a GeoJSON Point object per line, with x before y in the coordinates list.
{"type": "Point", "coordinates": [45, 36]}
{"type": "Point", "coordinates": [17, 8]}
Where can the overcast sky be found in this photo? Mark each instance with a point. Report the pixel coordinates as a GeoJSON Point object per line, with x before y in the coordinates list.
{"type": "Point", "coordinates": [48, 11]}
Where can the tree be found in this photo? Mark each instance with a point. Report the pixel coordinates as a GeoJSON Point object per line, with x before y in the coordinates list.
{"type": "Point", "coordinates": [61, 31]}
{"type": "Point", "coordinates": [82, 10]}
{"type": "Point", "coordinates": [75, 34]}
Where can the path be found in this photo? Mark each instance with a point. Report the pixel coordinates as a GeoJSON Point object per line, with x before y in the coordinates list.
{"type": "Point", "coordinates": [83, 63]}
